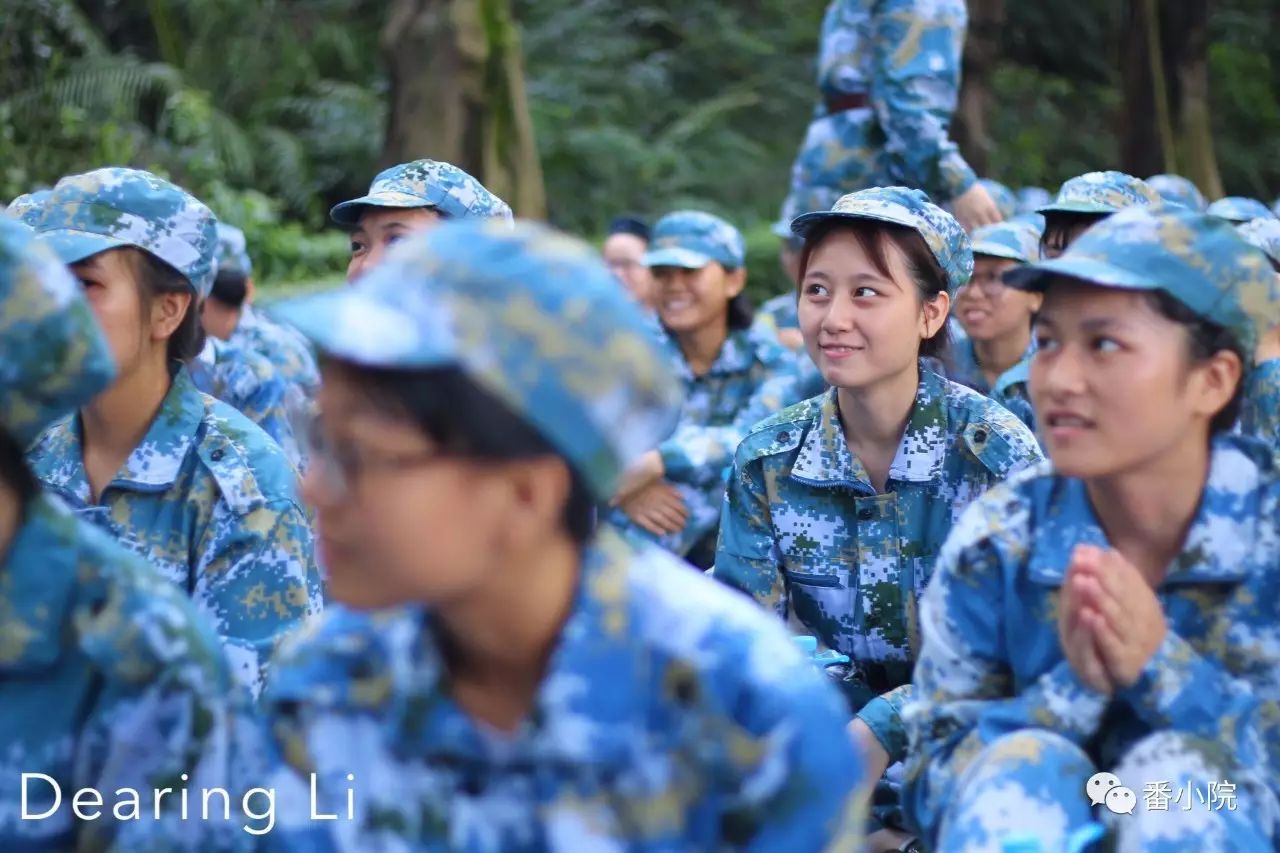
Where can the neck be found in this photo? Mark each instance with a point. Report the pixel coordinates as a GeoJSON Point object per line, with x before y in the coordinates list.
{"type": "Point", "coordinates": [116, 421]}
{"type": "Point", "coordinates": [997, 355]}
{"type": "Point", "coordinates": [701, 347]}
{"type": "Point", "coordinates": [501, 638]}
{"type": "Point", "coordinates": [1146, 512]}
{"type": "Point", "coordinates": [875, 416]}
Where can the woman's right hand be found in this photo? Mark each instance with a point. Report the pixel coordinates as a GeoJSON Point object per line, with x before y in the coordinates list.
{"type": "Point", "coordinates": [974, 208]}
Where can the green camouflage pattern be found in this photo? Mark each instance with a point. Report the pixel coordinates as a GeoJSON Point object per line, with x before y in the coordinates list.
{"type": "Point", "coordinates": [1102, 193]}
{"type": "Point", "coordinates": [691, 239]}
{"type": "Point", "coordinates": [425, 183]}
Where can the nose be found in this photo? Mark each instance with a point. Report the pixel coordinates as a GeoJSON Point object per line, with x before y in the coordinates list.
{"type": "Point", "coordinates": [839, 315]}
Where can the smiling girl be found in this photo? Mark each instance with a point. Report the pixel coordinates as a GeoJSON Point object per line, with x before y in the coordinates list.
{"type": "Point", "coordinates": [837, 506]}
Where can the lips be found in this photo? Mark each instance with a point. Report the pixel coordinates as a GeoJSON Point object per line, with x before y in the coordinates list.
{"type": "Point", "coordinates": [1064, 425]}
{"type": "Point", "coordinates": [838, 351]}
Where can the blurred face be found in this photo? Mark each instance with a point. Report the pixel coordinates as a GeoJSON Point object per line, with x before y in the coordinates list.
{"type": "Point", "coordinates": [623, 254]}
{"type": "Point", "coordinates": [692, 300]}
{"type": "Point", "coordinates": [1113, 384]}
{"type": "Point", "coordinates": [219, 319]}
{"type": "Point", "coordinates": [861, 327]}
{"type": "Point", "coordinates": [987, 309]}
{"type": "Point", "coordinates": [789, 260]}
{"type": "Point", "coordinates": [136, 336]}
{"type": "Point", "coordinates": [399, 521]}
{"type": "Point", "coordinates": [379, 229]}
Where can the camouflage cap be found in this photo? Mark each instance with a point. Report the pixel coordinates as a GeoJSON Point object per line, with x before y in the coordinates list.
{"type": "Point", "coordinates": [1031, 199]}
{"type": "Point", "coordinates": [113, 207]}
{"type": "Point", "coordinates": [1197, 259]}
{"type": "Point", "coordinates": [1014, 241]}
{"type": "Point", "coordinates": [1006, 201]}
{"type": "Point", "coordinates": [692, 239]}
{"type": "Point", "coordinates": [53, 358]}
{"type": "Point", "coordinates": [1263, 233]}
{"type": "Point", "coordinates": [1102, 192]}
{"type": "Point", "coordinates": [1176, 189]}
{"type": "Point", "coordinates": [27, 207]}
{"type": "Point", "coordinates": [532, 316]}
{"type": "Point", "coordinates": [425, 183]}
{"type": "Point", "coordinates": [1238, 209]}
{"type": "Point", "coordinates": [911, 208]}
{"type": "Point", "coordinates": [233, 252]}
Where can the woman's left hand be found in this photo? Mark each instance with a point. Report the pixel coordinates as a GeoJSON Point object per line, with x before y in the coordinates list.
{"type": "Point", "coordinates": [643, 472]}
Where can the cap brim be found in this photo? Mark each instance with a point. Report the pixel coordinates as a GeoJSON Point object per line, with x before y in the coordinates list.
{"type": "Point", "coordinates": [73, 246]}
{"type": "Point", "coordinates": [349, 324]}
{"type": "Point", "coordinates": [806, 222]}
{"type": "Point", "coordinates": [1075, 207]}
{"type": "Point", "coordinates": [674, 256]}
{"type": "Point", "coordinates": [347, 213]}
{"type": "Point", "coordinates": [995, 250]}
{"type": "Point", "coordinates": [1036, 277]}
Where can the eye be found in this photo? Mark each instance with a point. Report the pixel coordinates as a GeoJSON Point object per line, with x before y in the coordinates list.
{"type": "Point", "coordinates": [357, 247]}
{"type": "Point", "coordinates": [1045, 342]}
{"type": "Point", "coordinates": [865, 292]}
{"type": "Point", "coordinates": [817, 291]}
{"type": "Point", "coordinates": [89, 284]}
{"type": "Point", "coordinates": [392, 239]}
{"type": "Point", "coordinates": [1106, 345]}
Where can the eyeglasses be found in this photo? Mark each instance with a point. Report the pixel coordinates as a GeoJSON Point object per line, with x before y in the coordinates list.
{"type": "Point", "coordinates": [343, 465]}
{"type": "Point", "coordinates": [989, 283]}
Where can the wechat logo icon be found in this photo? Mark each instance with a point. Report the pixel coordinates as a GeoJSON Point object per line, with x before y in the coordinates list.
{"type": "Point", "coordinates": [1104, 789]}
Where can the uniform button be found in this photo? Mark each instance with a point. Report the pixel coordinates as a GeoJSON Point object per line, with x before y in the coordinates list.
{"type": "Point", "coordinates": [865, 514]}
{"type": "Point", "coordinates": [216, 455]}
{"type": "Point", "coordinates": [980, 435]}
{"type": "Point", "coordinates": [784, 436]}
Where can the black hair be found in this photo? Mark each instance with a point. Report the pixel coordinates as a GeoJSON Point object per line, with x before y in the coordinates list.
{"type": "Point", "coordinates": [466, 420]}
{"type": "Point", "coordinates": [1206, 339]}
{"type": "Point", "coordinates": [230, 287]}
{"type": "Point", "coordinates": [741, 312]}
{"type": "Point", "coordinates": [629, 225]}
{"type": "Point", "coordinates": [156, 278]}
{"type": "Point", "coordinates": [14, 472]}
{"type": "Point", "coordinates": [875, 237]}
{"type": "Point", "coordinates": [1058, 226]}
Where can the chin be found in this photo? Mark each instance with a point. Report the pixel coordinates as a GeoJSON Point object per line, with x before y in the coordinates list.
{"type": "Point", "coordinates": [1079, 463]}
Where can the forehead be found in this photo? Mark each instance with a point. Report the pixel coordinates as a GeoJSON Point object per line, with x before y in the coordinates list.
{"type": "Point", "coordinates": [373, 218]}
{"type": "Point", "coordinates": [620, 244]}
{"type": "Point", "coordinates": [1075, 301]}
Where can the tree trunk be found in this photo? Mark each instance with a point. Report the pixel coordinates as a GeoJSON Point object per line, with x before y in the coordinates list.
{"type": "Point", "coordinates": [458, 95]}
{"type": "Point", "coordinates": [1166, 124]}
{"type": "Point", "coordinates": [981, 53]}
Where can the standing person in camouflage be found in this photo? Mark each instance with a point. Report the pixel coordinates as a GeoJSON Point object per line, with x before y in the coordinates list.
{"type": "Point", "coordinates": [1238, 209]}
{"type": "Point", "coordinates": [230, 316]}
{"type": "Point", "coordinates": [888, 80]}
{"type": "Point", "coordinates": [1260, 414]}
{"type": "Point", "coordinates": [405, 198]}
{"type": "Point", "coordinates": [530, 681]}
{"type": "Point", "coordinates": [108, 679]}
{"type": "Point", "coordinates": [837, 507]}
{"type": "Point", "coordinates": [177, 476]}
{"type": "Point", "coordinates": [996, 319]}
{"type": "Point", "coordinates": [1120, 610]}
{"type": "Point", "coordinates": [734, 375]}
{"type": "Point", "coordinates": [1175, 189]}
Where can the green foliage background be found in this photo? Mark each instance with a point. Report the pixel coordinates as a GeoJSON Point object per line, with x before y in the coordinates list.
{"type": "Point", "coordinates": [273, 109]}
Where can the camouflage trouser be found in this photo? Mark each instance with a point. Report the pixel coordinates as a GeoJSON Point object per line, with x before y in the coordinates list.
{"type": "Point", "coordinates": [1032, 784]}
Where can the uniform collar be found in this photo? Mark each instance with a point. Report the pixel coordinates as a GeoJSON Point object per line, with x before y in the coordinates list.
{"type": "Point", "coordinates": [586, 707]}
{"type": "Point", "coordinates": [37, 582]}
{"type": "Point", "coordinates": [737, 355]}
{"type": "Point", "coordinates": [825, 457]}
{"type": "Point", "coordinates": [1221, 541]}
{"type": "Point", "coordinates": [153, 465]}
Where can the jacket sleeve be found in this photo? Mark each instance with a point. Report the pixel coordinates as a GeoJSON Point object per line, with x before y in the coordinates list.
{"type": "Point", "coordinates": [747, 555]}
